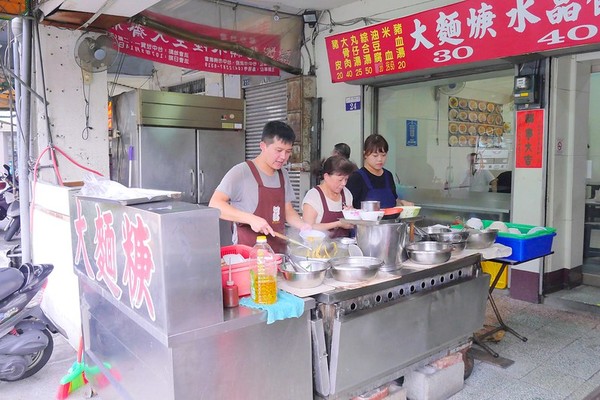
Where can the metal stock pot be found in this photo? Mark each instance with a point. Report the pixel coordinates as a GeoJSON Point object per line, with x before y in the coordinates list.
{"type": "Point", "coordinates": [385, 240]}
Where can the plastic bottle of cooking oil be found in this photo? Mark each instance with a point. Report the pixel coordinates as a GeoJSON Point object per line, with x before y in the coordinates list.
{"type": "Point", "coordinates": [263, 278]}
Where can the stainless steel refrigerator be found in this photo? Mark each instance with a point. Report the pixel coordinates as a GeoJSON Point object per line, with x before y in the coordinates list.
{"type": "Point", "coordinates": [174, 141]}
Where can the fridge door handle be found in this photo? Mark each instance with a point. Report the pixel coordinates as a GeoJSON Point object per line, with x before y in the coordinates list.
{"type": "Point", "coordinates": [201, 188]}
{"type": "Point", "coordinates": [193, 182]}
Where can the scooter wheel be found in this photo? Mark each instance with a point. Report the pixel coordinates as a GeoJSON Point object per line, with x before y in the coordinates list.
{"type": "Point", "coordinates": [12, 229]}
{"type": "Point", "coordinates": [36, 360]}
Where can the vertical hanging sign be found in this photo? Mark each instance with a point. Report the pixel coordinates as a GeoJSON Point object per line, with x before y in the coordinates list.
{"type": "Point", "coordinates": [412, 132]}
{"type": "Point", "coordinates": [529, 146]}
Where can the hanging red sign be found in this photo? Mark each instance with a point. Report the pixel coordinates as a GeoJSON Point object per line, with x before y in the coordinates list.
{"type": "Point", "coordinates": [529, 146]}
{"type": "Point", "coordinates": [140, 41]}
{"type": "Point", "coordinates": [464, 32]}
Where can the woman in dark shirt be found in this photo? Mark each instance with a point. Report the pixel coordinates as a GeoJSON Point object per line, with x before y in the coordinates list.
{"type": "Point", "coordinates": [373, 182]}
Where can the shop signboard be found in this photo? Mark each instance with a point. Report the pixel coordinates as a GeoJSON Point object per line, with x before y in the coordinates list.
{"type": "Point", "coordinates": [141, 41]}
{"type": "Point", "coordinates": [464, 32]}
{"type": "Point", "coordinates": [529, 147]}
{"type": "Point", "coordinates": [412, 132]}
{"type": "Point", "coordinates": [114, 247]}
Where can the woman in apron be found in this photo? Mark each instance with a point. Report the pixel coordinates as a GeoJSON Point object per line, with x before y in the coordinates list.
{"type": "Point", "coordinates": [373, 182]}
{"type": "Point", "coordinates": [322, 206]}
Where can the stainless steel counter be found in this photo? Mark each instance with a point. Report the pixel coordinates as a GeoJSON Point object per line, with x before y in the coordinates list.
{"type": "Point", "coordinates": [152, 311]}
{"type": "Point", "coordinates": [375, 333]}
{"type": "Point", "coordinates": [442, 206]}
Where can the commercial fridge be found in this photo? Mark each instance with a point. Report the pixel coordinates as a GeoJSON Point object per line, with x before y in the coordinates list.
{"type": "Point", "coordinates": [175, 141]}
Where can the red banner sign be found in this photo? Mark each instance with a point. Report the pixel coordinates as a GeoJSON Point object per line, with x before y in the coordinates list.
{"type": "Point", "coordinates": [529, 147]}
{"type": "Point", "coordinates": [143, 42]}
{"type": "Point", "coordinates": [461, 33]}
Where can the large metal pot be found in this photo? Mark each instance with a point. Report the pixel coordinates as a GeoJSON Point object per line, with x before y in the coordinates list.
{"type": "Point", "coordinates": [385, 240]}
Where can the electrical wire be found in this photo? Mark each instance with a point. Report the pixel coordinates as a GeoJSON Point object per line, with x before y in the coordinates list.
{"type": "Point", "coordinates": [85, 133]}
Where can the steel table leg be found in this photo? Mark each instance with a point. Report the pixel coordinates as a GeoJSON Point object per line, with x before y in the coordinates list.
{"type": "Point", "coordinates": [478, 339]}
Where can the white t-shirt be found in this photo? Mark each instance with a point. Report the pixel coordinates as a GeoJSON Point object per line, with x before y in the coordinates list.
{"type": "Point", "coordinates": [313, 199]}
{"type": "Point", "coordinates": [480, 182]}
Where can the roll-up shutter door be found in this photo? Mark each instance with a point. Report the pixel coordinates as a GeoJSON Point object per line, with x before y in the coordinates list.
{"type": "Point", "coordinates": [266, 103]}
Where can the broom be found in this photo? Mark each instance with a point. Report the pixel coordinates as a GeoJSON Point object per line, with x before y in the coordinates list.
{"type": "Point", "coordinates": [75, 377]}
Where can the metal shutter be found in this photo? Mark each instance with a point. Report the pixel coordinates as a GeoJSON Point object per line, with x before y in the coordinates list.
{"type": "Point", "coordinates": [266, 103]}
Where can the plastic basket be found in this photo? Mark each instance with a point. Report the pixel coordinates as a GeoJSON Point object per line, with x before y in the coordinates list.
{"type": "Point", "coordinates": [240, 272]}
{"type": "Point", "coordinates": [525, 246]}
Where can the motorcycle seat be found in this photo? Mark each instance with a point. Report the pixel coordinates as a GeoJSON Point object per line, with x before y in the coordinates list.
{"type": "Point", "coordinates": [11, 280]}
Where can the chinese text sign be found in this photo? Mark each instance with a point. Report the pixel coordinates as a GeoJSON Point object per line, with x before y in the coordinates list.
{"type": "Point", "coordinates": [529, 135]}
{"type": "Point", "coordinates": [143, 42]}
{"type": "Point", "coordinates": [464, 32]}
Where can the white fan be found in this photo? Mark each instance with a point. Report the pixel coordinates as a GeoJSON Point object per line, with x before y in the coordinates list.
{"type": "Point", "coordinates": [451, 88]}
{"type": "Point", "coordinates": [95, 53]}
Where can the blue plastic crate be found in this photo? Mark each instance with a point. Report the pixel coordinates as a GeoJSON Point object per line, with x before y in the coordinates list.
{"type": "Point", "coordinates": [526, 245]}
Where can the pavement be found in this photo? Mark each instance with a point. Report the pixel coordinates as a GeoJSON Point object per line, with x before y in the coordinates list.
{"type": "Point", "coordinates": [560, 361]}
{"type": "Point", "coordinates": [43, 385]}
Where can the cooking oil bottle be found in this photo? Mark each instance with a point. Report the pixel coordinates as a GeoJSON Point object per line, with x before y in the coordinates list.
{"type": "Point", "coordinates": [263, 278]}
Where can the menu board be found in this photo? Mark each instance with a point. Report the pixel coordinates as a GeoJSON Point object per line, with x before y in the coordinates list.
{"type": "Point", "coordinates": [475, 123]}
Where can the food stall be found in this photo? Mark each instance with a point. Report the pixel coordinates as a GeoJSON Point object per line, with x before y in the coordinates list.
{"type": "Point", "coordinates": [152, 311]}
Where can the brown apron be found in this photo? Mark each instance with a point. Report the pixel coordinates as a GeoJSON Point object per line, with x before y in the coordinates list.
{"type": "Point", "coordinates": [271, 207]}
{"type": "Point", "coordinates": [332, 216]}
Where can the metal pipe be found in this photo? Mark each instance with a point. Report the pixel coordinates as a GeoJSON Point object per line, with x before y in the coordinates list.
{"type": "Point", "coordinates": [215, 43]}
{"type": "Point", "coordinates": [23, 138]}
{"type": "Point", "coordinates": [17, 31]}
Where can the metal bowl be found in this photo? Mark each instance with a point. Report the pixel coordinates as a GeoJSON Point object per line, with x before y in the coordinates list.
{"type": "Point", "coordinates": [354, 269]}
{"type": "Point", "coordinates": [432, 230]}
{"type": "Point", "coordinates": [452, 237]}
{"type": "Point", "coordinates": [369, 205]}
{"type": "Point", "coordinates": [305, 279]}
{"type": "Point", "coordinates": [480, 239]}
{"type": "Point", "coordinates": [459, 246]}
{"type": "Point", "coordinates": [429, 252]}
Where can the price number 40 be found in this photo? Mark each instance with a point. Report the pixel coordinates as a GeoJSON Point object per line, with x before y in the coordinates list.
{"type": "Point", "coordinates": [581, 32]}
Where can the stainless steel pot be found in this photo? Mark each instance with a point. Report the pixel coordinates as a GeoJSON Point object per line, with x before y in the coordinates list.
{"type": "Point", "coordinates": [385, 240]}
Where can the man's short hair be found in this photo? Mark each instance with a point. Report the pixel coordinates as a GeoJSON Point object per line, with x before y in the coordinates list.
{"type": "Point", "coordinates": [342, 149]}
{"type": "Point", "coordinates": [278, 129]}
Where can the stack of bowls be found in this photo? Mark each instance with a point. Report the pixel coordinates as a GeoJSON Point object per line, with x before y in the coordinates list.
{"type": "Point", "coordinates": [458, 239]}
{"type": "Point", "coordinates": [429, 252]}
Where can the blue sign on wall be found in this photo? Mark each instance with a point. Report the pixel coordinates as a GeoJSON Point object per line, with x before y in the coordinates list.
{"type": "Point", "coordinates": [353, 103]}
{"type": "Point", "coordinates": [412, 132]}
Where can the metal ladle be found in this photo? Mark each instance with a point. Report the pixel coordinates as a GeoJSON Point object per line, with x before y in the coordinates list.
{"type": "Point", "coordinates": [297, 267]}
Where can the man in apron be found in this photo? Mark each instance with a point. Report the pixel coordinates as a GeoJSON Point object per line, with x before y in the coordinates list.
{"type": "Point", "coordinates": [257, 194]}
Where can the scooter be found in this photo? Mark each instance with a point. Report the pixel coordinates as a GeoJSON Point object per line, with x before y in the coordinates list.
{"type": "Point", "coordinates": [26, 342]}
{"type": "Point", "coordinates": [6, 185]}
{"type": "Point", "coordinates": [13, 212]}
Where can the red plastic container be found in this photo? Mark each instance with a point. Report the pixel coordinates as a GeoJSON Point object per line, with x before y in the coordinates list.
{"type": "Point", "coordinates": [240, 272]}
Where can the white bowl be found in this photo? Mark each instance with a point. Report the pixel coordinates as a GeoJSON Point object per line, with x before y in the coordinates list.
{"type": "Point", "coordinates": [351, 214]}
{"type": "Point", "coordinates": [536, 229]}
{"type": "Point", "coordinates": [312, 236]}
{"type": "Point", "coordinates": [499, 225]}
{"type": "Point", "coordinates": [514, 231]}
{"type": "Point", "coordinates": [410, 211]}
{"type": "Point", "coordinates": [371, 215]}
{"type": "Point", "coordinates": [475, 223]}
